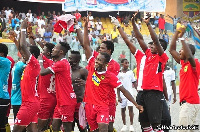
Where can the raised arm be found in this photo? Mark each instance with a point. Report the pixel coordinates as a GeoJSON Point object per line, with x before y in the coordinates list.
{"type": "Point", "coordinates": [86, 42]}
{"type": "Point", "coordinates": [79, 34]}
{"type": "Point", "coordinates": [138, 35]}
{"type": "Point", "coordinates": [23, 44]}
{"type": "Point", "coordinates": [124, 36]}
{"type": "Point", "coordinates": [188, 53]}
{"type": "Point", "coordinates": [154, 37]}
{"type": "Point", "coordinates": [43, 71]}
{"type": "Point", "coordinates": [170, 16]}
{"type": "Point", "coordinates": [172, 48]}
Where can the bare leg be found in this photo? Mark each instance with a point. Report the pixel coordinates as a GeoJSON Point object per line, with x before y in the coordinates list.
{"type": "Point", "coordinates": [56, 125]}
{"type": "Point", "coordinates": [18, 128]}
{"type": "Point", "coordinates": [123, 113]}
{"type": "Point", "coordinates": [32, 127]}
{"type": "Point", "coordinates": [103, 127]}
{"type": "Point", "coordinates": [131, 114]}
{"type": "Point", "coordinates": [67, 126]}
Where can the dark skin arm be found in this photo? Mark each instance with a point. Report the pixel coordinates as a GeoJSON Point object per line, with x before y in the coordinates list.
{"type": "Point", "coordinates": [79, 34]}
{"type": "Point", "coordinates": [43, 71]}
{"type": "Point", "coordinates": [86, 42]}
{"type": "Point", "coordinates": [138, 35]}
{"type": "Point", "coordinates": [23, 44]}
{"type": "Point", "coordinates": [130, 98]}
{"type": "Point", "coordinates": [127, 41]}
{"type": "Point", "coordinates": [174, 91]}
{"type": "Point", "coordinates": [165, 89]}
{"type": "Point", "coordinates": [172, 48]}
{"type": "Point", "coordinates": [154, 37]}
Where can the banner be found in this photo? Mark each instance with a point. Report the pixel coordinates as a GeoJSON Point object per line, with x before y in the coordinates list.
{"type": "Point", "coordinates": [191, 5]}
{"type": "Point", "coordinates": [45, 1]}
{"type": "Point", "coordinates": [114, 5]}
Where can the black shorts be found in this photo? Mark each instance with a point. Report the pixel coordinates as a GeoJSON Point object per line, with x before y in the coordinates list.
{"type": "Point", "coordinates": [152, 101]}
{"type": "Point", "coordinates": [4, 104]}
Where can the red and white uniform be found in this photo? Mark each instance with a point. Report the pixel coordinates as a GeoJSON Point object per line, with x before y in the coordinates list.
{"type": "Point", "coordinates": [66, 98]}
{"type": "Point", "coordinates": [30, 103]}
{"type": "Point", "coordinates": [189, 81]}
{"type": "Point", "coordinates": [150, 68]}
{"type": "Point", "coordinates": [77, 15]}
{"type": "Point", "coordinates": [46, 92]}
{"type": "Point", "coordinates": [113, 67]}
{"type": "Point", "coordinates": [97, 92]}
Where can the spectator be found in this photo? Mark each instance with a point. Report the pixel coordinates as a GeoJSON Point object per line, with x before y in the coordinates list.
{"type": "Point", "coordinates": [91, 20]}
{"type": "Point", "coordinates": [54, 41]}
{"type": "Point", "coordinates": [80, 23]}
{"type": "Point", "coordinates": [54, 18]}
{"type": "Point", "coordinates": [99, 25]}
{"type": "Point", "coordinates": [161, 24]}
{"type": "Point", "coordinates": [17, 31]}
{"type": "Point", "coordinates": [41, 30]}
{"type": "Point", "coordinates": [175, 20]}
{"type": "Point", "coordinates": [166, 37]}
{"type": "Point", "coordinates": [94, 42]}
{"type": "Point", "coordinates": [35, 28]}
{"type": "Point", "coordinates": [3, 23]}
{"type": "Point", "coordinates": [49, 17]}
{"type": "Point", "coordinates": [40, 21]}
{"type": "Point", "coordinates": [121, 56]}
{"type": "Point", "coordinates": [114, 35]}
{"type": "Point", "coordinates": [5, 34]}
{"type": "Point", "coordinates": [47, 35]}
{"type": "Point", "coordinates": [126, 21]}
{"type": "Point", "coordinates": [156, 18]}
{"type": "Point", "coordinates": [35, 18]}
{"type": "Point", "coordinates": [77, 15]}
{"type": "Point", "coordinates": [7, 12]}
{"type": "Point", "coordinates": [60, 38]}
{"type": "Point", "coordinates": [75, 45]}
{"type": "Point", "coordinates": [30, 16]}
{"type": "Point", "coordinates": [96, 32]}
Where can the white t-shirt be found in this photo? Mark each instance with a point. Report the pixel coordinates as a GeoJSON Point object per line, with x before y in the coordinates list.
{"type": "Point", "coordinates": [30, 17]}
{"type": "Point", "coordinates": [40, 22]}
{"type": "Point", "coordinates": [98, 24]}
{"type": "Point", "coordinates": [75, 45]}
{"type": "Point", "coordinates": [17, 32]}
{"type": "Point", "coordinates": [7, 12]}
{"type": "Point", "coordinates": [169, 76]}
{"type": "Point", "coordinates": [41, 31]}
{"type": "Point", "coordinates": [127, 79]}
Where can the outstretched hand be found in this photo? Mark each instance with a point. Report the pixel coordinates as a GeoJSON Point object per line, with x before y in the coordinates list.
{"type": "Point", "coordinates": [181, 31]}
{"type": "Point", "coordinates": [24, 23]}
{"type": "Point", "coordinates": [146, 20]}
{"type": "Point", "coordinates": [134, 16]}
{"type": "Point", "coordinates": [114, 21]}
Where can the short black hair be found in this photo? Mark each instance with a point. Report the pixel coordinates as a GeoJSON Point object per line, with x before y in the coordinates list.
{"type": "Point", "coordinates": [4, 49]}
{"type": "Point", "coordinates": [107, 56]}
{"type": "Point", "coordinates": [192, 48]}
{"type": "Point", "coordinates": [109, 45]}
{"type": "Point", "coordinates": [35, 51]}
{"type": "Point", "coordinates": [150, 43]}
{"type": "Point", "coordinates": [97, 49]}
{"type": "Point", "coordinates": [49, 46]}
{"type": "Point", "coordinates": [76, 53]}
{"type": "Point", "coordinates": [65, 46]}
{"type": "Point", "coordinates": [122, 61]}
{"type": "Point", "coordinates": [163, 43]}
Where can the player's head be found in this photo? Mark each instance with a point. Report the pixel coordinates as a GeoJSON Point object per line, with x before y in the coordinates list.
{"type": "Point", "coordinates": [74, 58]}
{"type": "Point", "coordinates": [47, 50]}
{"type": "Point", "coordinates": [107, 46]}
{"type": "Point", "coordinates": [34, 50]}
{"type": "Point", "coordinates": [182, 54]}
{"type": "Point", "coordinates": [60, 50]}
{"type": "Point", "coordinates": [153, 48]}
{"type": "Point", "coordinates": [101, 61]}
{"type": "Point", "coordinates": [3, 50]}
{"type": "Point", "coordinates": [125, 63]}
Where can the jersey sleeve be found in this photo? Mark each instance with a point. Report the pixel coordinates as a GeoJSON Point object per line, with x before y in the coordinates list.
{"type": "Point", "coordinates": [4, 62]}
{"type": "Point", "coordinates": [115, 83]}
{"type": "Point", "coordinates": [59, 66]}
{"type": "Point", "coordinates": [164, 58]}
{"type": "Point", "coordinates": [138, 55]}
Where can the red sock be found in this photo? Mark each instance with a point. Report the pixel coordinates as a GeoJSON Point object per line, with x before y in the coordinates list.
{"type": "Point", "coordinates": [148, 129]}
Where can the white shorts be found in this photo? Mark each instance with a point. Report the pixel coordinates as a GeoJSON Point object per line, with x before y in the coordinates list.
{"type": "Point", "coordinates": [125, 102]}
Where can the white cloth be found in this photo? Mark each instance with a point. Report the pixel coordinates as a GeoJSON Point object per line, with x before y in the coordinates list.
{"type": "Point", "coordinates": [41, 31]}
{"type": "Point", "coordinates": [7, 12]}
{"type": "Point", "coordinates": [127, 79]}
{"type": "Point", "coordinates": [98, 24]}
{"type": "Point", "coordinates": [75, 45]}
{"type": "Point", "coordinates": [30, 17]}
{"type": "Point", "coordinates": [169, 76]}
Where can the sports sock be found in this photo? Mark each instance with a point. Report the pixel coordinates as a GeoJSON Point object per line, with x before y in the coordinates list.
{"type": "Point", "coordinates": [148, 129]}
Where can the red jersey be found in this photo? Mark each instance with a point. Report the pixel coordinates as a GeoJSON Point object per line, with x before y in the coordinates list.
{"type": "Point", "coordinates": [161, 23]}
{"type": "Point", "coordinates": [10, 76]}
{"type": "Point", "coordinates": [46, 84]}
{"type": "Point", "coordinates": [113, 67]}
{"type": "Point", "coordinates": [77, 15]}
{"type": "Point", "coordinates": [29, 80]}
{"type": "Point", "coordinates": [150, 68]}
{"type": "Point", "coordinates": [99, 85]}
{"type": "Point", "coordinates": [63, 83]}
{"type": "Point", "coordinates": [189, 81]}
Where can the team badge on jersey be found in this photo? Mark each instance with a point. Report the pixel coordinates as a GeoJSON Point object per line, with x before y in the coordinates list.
{"type": "Point", "coordinates": [102, 77]}
{"type": "Point", "coordinates": [185, 68]}
{"type": "Point", "coordinates": [95, 79]}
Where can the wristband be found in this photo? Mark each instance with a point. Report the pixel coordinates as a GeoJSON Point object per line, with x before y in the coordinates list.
{"type": "Point", "coordinates": [77, 26]}
{"type": "Point", "coordinates": [181, 38]}
{"type": "Point", "coordinates": [118, 26]}
{"type": "Point", "coordinates": [148, 24]}
{"type": "Point", "coordinates": [40, 61]}
{"type": "Point", "coordinates": [23, 30]}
